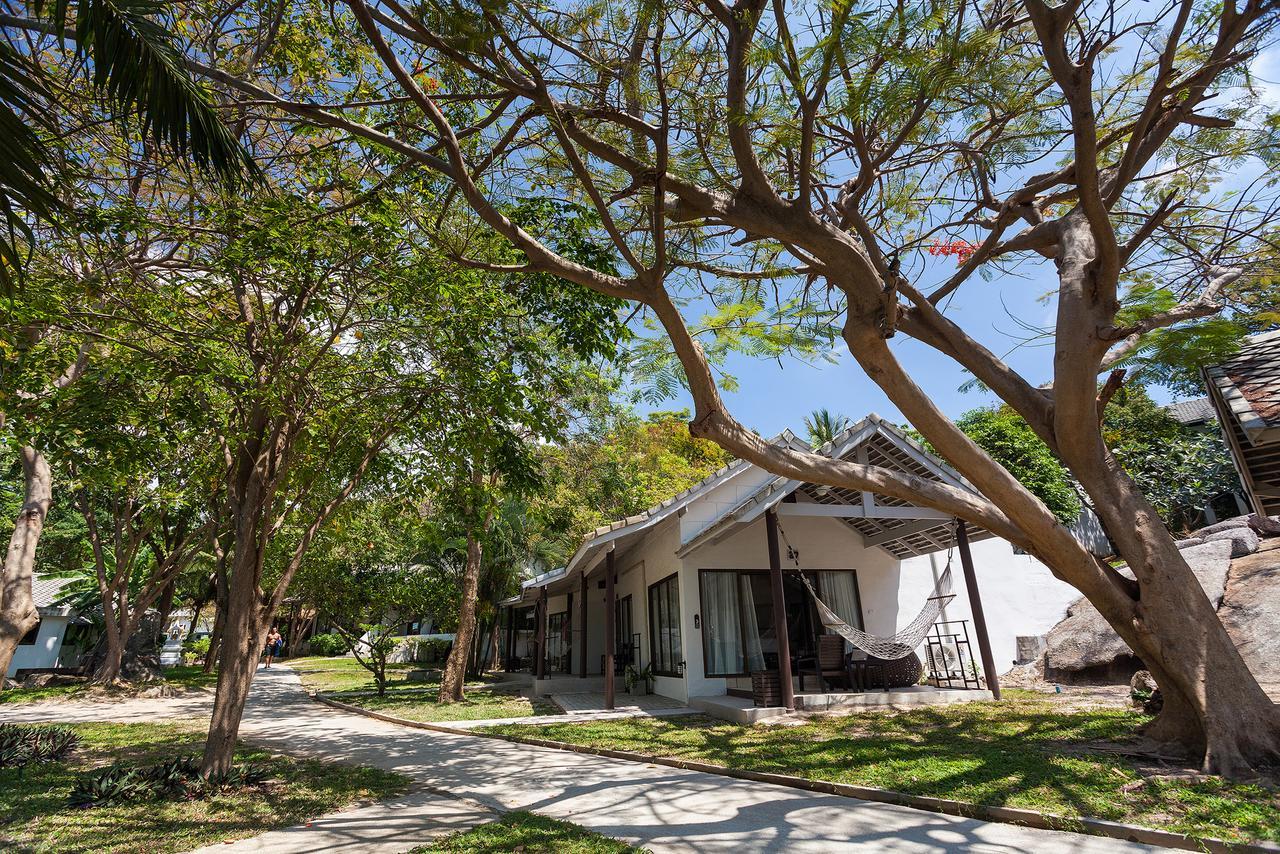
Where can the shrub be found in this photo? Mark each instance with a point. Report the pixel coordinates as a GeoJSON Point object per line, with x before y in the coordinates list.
{"type": "Point", "coordinates": [327, 644]}
{"type": "Point", "coordinates": [175, 779]}
{"type": "Point", "coordinates": [432, 650]}
{"type": "Point", "coordinates": [27, 744]}
{"type": "Point", "coordinates": [196, 649]}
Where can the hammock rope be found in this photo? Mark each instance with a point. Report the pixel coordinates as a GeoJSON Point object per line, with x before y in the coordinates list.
{"type": "Point", "coordinates": [899, 645]}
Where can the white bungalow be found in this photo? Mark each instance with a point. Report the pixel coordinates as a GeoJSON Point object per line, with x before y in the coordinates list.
{"type": "Point", "coordinates": [53, 642]}
{"type": "Point", "coordinates": [687, 589]}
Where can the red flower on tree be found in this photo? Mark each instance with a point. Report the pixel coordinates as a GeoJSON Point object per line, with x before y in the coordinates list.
{"type": "Point", "coordinates": [962, 249]}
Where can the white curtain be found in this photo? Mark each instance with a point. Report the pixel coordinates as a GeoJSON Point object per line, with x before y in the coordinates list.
{"type": "Point", "coordinates": [751, 627]}
{"type": "Point", "coordinates": [723, 623]}
{"type": "Point", "coordinates": [839, 591]}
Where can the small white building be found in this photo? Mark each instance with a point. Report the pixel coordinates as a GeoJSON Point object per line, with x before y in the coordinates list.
{"type": "Point", "coordinates": [43, 647]}
{"type": "Point", "coordinates": [692, 593]}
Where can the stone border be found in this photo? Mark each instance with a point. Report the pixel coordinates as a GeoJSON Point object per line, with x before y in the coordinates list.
{"type": "Point", "coordinates": [964, 809]}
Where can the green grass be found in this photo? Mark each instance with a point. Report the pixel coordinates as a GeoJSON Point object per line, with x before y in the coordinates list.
{"type": "Point", "coordinates": [346, 674]}
{"type": "Point", "coordinates": [345, 680]}
{"type": "Point", "coordinates": [34, 818]}
{"type": "Point", "coordinates": [182, 676]}
{"type": "Point", "coordinates": [1022, 752]}
{"type": "Point", "coordinates": [477, 704]}
{"type": "Point", "coordinates": [527, 833]}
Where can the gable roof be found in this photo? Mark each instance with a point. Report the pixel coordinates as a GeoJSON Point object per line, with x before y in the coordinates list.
{"type": "Point", "coordinates": [1247, 386]}
{"type": "Point", "coordinates": [1191, 412]}
{"type": "Point", "coordinates": [875, 441]}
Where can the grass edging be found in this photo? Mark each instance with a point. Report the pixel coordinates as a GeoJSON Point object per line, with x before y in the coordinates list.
{"type": "Point", "coordinates": [964, 809]}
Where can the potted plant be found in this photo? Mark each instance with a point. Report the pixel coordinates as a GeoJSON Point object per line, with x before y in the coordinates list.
{"type": "Point", "coordinates": [638, 682]}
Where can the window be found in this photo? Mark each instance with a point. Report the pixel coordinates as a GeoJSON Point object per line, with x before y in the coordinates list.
{"type": "Point", "coordinates": [29, 638]}
{"type": "Point", "coordinates": [664, 626]}
{"type": "Point", "coordinates": [738, 634]}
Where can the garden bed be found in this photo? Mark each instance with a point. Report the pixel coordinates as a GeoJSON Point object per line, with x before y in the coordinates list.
{"type": "Point", "coordinates": [1024, 752]}
{"type": "Point", "coordinates": [37, 818]}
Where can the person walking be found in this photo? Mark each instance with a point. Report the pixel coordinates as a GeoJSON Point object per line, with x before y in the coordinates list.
{"type": "Point", "coordinates": [275, 642]}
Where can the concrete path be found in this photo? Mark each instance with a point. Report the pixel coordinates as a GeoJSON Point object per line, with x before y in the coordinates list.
{"type": "Point", "coordinates": [663, 809]}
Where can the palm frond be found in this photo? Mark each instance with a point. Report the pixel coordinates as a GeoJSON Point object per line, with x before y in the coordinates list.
{"type": "Point", "coordinates": [138, 64]}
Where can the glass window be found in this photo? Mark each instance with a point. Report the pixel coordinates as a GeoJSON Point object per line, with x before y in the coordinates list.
{"type": "Point", "coordinates": [664, 627]}
{"type": "Point", "coordinates": [29, 638]}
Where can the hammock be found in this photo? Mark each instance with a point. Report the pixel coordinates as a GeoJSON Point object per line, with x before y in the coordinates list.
{"type": "Point", "coordinates": [905, 642]}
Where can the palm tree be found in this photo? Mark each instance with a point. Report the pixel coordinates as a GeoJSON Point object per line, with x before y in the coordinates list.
{"type": "Point", "coordinates": [823, 426]}
{"type": "Point", "coordinates": [137, 65]}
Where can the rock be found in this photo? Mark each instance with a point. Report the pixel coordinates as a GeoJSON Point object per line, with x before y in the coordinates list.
{"type": "Point", "coordinates": [1243, 540]}
{"type": "Point", "coordinates": [1265, 526]}
{"type": "Point", "coordinates": [1189, 542]}
{"type": "Point", "coordinates": [1145, 693]}
{"type": "Point", "coordinates": [1084, 640]}
{"type": "Point", "coordinates": [51, 680]}
{"type": "Point", "coordinates": [1224, 525]}
{"type": "Point", "coordinates": [1250, 614]}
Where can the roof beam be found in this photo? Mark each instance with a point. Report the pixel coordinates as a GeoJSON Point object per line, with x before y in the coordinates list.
{"type": "Point", "coordinates": [856, 511]}
{"type": "Point", "coordinates": [891, 534]}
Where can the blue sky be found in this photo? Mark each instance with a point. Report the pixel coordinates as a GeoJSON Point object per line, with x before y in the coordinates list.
{"type": "Point", "coordinates": [776, 395]}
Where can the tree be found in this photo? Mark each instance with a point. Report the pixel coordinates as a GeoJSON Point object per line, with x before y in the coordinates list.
{"type": "Point", "coordinates": [823, 426]}
{"type": "Point", "coordinates": [1011, 442]}
{"type": "Point", "coordinates": [135, 63]}
{"type": "Point", "coordinates": [808, 159]}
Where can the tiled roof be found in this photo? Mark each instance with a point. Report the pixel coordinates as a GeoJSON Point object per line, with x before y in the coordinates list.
{"type": "Point", "coordinates": [1249, 383]}
{"type": "Point", "coordinates": [46, 591]}
{"type": "Point", "coordinates": [1196, 411]}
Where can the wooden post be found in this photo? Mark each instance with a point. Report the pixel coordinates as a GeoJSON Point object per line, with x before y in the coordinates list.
{"type": "Point", "coordinates": [540, 613]}
{"type": "Point", "coordinates": [975, 607]}
{"type": "Point", "coordinates": [780, 610]}
{"type": "Point", "coordinates": [568, 630]}
{"type": "Point", "coordinates": [582, 659]}
{"type": "Point", "coordinates": [610, 606]}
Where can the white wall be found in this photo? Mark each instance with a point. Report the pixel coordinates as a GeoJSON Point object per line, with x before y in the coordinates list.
{"type": "Point", "coordinates": [1019, 595]}
{"type": "Point", "coordinates": [823, 543]}
{"type": "Point", "coordinates": [44, 652]}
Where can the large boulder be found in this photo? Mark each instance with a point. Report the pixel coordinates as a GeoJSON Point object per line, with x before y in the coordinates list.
{"type": "Point", "coordinates": [1084, 643]}
{"type": "Point", "coordinates": [1243, 540]}
{"type": "Point", "coordinates": [1224, 525]}
{"type": "Point", "coordinates": [1250, 613]}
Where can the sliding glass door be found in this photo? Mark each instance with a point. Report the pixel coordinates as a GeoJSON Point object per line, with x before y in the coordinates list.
{"type": "Point", "coordinates": [738, 631]}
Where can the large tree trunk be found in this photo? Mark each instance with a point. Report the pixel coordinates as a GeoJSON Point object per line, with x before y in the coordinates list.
{"type": "Point", "coordinates": [455, 668]}
{"type": "Point", "coordinates": [244, 631]}
{"type": "Point", "coordinates": [18, 614]}
{"type": "Point", "coordinates": [108, 670]}
{"type": "Point", "coordinates": [165, 608]}
{"type": "Point", "coordinates": [1215, 710]}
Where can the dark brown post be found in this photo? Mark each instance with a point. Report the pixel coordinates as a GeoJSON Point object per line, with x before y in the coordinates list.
{"type": "Point", "coordinates": [511, 637]}
{"type": "Point", "coordinates": [779, 610]}
{"type": "Point", "coordinates": [582, 659]}
{"type": "Point", "coordinates": [610, 605]}
{"type": "Point", "coordinates": [568, 619]}
{"type": "Point", "coordinates": [540, 668]}
{"type": "Point", "coordinates": [975, 607]}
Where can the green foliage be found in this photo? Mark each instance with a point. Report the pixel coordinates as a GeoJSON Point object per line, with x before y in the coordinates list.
{"type": "Point", "coordinates": [178, 778]}
{"type": "Point", "coordinates": [617, 467]}
{"type": "Point", "coordinates": [196, 649]}
{"type": "Point", "coordinates": [327, 644]}
{"type": "Point", "coordinates": [823, 426]}
{"type": "Point", "coordinates": [27, 744]}
{"type": "Point", "coordinates": [1004, 435]}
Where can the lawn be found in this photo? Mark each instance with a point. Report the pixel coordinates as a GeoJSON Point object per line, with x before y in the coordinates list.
{"type": "Point", "coordinates": [1023, 752]}
{"type": "Point", "coordinates": [345, 680]}
{"type": "Point", "coordinates": [527, 833]}
{"type": "Point", "coordinates": [346, 674]}
{"type": "Point", "coordinates": [478, 704]}
{"type": "Point", "coordinates": [35, 818]}
{"type": "Point", "coordinates": [180, 677]}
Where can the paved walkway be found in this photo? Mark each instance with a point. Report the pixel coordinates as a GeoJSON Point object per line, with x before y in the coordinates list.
{"type": "Point", "coordinates": [664, 809]}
